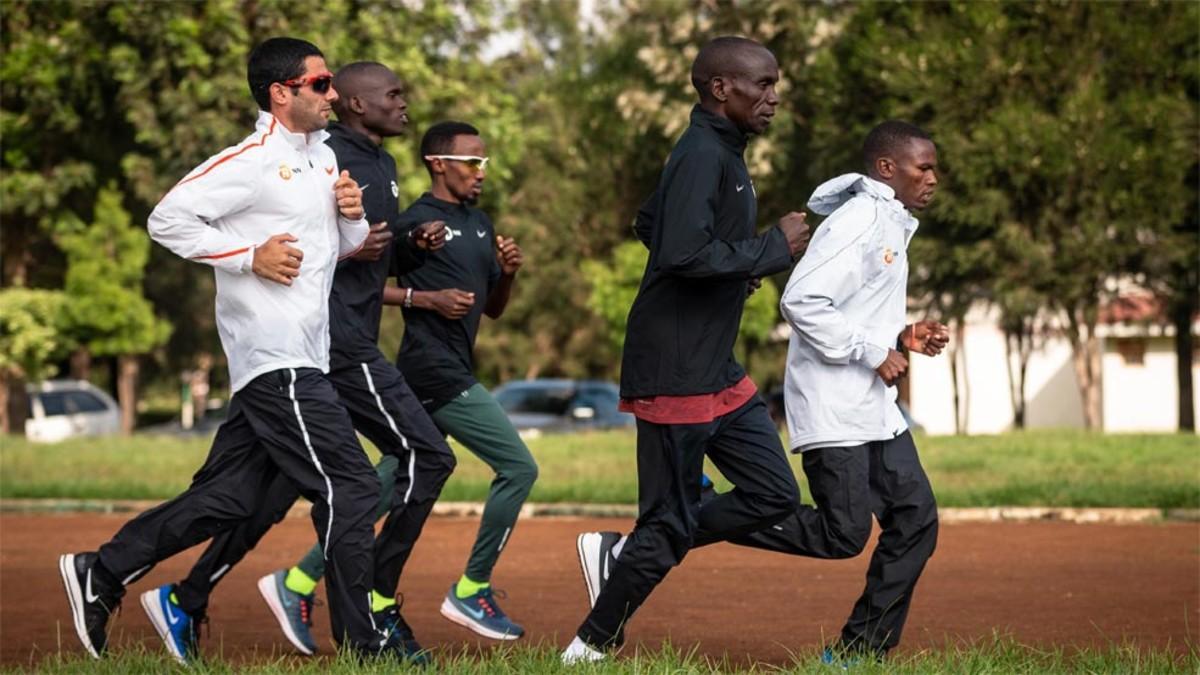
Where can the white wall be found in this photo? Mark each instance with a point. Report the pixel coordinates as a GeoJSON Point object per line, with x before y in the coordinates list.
{"type": "Point", "coordinates": [1136, 398]}
{"type": "Point", "coordinates": [1143, 397]}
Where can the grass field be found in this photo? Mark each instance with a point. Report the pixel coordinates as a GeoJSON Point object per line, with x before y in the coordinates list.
{"type": "Point", "coordinates": [1037, 468]}
{"type": "Point", "coordinates": [1001, 656]}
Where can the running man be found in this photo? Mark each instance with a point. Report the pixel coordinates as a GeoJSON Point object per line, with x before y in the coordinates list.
{"type": "Point", "coordinates": [272, 215]}
{"type": "Point", "coordinates": [416, 459]}
{"type": "Point", "coordinates": [678, 374]}
{"type": "Point", "coordinates": [846, 304]}
{"type": "Point", "coordinates": [443, 303]}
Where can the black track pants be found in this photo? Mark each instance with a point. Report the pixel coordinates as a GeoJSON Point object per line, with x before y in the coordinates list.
{"type": "Point", "coordinates": [285, 425]}
{"type": "Point", "coordinates": [884, 478]}
{"type": "Point", "coordinates": [745, 447]}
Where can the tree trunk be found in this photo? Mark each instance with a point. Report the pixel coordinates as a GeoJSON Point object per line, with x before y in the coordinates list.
{"type": "Point", "coordinates": [1018, 346]}
{"type": "Point", "coordinates": [81, 364]}
{"type": "Point", "coordinates": [14, 404]}
{"type": "Point", "coordinates": [1185, 346]}
{"type": "Point", "coordinates": [199, 385]}
{"type": "Point", "coordinates": [127, 367]}
{"type": "Point", "coordinates": [960, 335]}
{"type": "Point", "coordinates": [958, 365]}
{"type": "Point", "coordinates": [1086, 357]}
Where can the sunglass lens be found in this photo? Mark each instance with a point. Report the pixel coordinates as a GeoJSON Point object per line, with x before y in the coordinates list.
{"type": "Point", "coordinates": [321, 84]}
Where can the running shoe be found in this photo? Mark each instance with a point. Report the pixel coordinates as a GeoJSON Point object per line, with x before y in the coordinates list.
{"type": "Point", "coordinates": [91, 603]}
{"type": "Point", "coordinates": [480, 613]}
{"type": "Point", "coordinates": [292, 610]}
{"type": "Point", "coordinates": [400, 636]}
{"type": "Point", "coordinates": [177, 628]}
{"type": "Point", "coordinates": [596, 560]}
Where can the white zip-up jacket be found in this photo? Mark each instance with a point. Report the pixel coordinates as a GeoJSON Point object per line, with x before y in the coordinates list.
{"type": "Point", "coordinates": [846, 304]}
{"type": "Point", "coordinates": [273, 182]}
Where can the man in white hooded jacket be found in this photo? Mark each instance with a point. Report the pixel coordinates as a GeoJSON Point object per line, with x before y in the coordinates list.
{"type": "Point", "coordinates": [846, 304]}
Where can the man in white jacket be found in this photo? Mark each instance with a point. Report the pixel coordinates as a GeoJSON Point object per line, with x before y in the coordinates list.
{"type": "Point", "coordinates": [846, 304]}
{"type": "Point", "coordinates": [272, 215]}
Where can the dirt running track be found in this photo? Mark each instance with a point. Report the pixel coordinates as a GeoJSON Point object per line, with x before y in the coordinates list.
{"type": "Point", "coordinates": [1043, 583]}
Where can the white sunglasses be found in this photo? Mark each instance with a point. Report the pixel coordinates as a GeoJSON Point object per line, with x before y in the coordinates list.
{"type": "Point", "coordinates": [477, 163]}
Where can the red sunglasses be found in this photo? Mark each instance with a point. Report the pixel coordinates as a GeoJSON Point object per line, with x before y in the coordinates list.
{"type": "Point", "coordinates": [321, 82]}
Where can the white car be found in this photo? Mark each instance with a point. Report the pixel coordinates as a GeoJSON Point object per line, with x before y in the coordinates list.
{"type": "Point", "coordinates": [62, 409]}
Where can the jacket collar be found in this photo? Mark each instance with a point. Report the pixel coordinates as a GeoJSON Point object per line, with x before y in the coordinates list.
{"type": "Point", "coordinates": [270, 125]}
{"type": "Point", "coordinates": [356, 139]}
{"type": "Point", "coordinates": [725, 130]}
{"type": "Point", "coordinates": [451, 208]}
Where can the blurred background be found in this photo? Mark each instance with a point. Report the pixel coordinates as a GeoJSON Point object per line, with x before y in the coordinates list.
{"type": "Point", "coordinates": [1062, 248]}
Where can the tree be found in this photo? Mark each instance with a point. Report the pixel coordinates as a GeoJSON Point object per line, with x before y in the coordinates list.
{"type": "Point", "coordinates": [32, 339]}
{"type": "Point", "coordinates": [1060, 148]}
{"type": "Point", "coordinates": [106, 310]}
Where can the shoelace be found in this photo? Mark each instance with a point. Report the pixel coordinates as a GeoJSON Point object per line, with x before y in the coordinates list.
{"type": "Point", "coordinates": [485, 601]}
{"type": "Point", "coordinates": [307, 602]}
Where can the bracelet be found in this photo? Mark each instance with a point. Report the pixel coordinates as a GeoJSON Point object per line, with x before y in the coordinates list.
{"type": "Point", "coordinates": [408, 297]}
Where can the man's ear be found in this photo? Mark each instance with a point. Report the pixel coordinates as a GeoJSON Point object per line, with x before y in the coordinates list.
{"type": "Point", "coordinates": [718, 87]}
{"type": "Point", "coordinates": [279, 93]}
{"type": "Point", "coordinates": [885, 167]}
{"type": "Point", "coordinates": [356, 105]}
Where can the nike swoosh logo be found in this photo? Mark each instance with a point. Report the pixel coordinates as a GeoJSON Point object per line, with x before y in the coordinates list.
{"type": "Point", "coordinates": [171, 615]}
{"type": "Point", "coordinates": [87, 592]}
{"type": "Point", "coordinates": [364, 186]}
{"type": "Point", "coordinates": [329, 170]}
{"type": "Point", "coordinates": [741, 187]}
{"type": "Point", "coordinates": [477, 613]}
{"type": "Point", "coordinates": [481, 233]}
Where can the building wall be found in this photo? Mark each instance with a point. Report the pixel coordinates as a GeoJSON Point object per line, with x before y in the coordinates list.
{"type": "Point", "coordinates": [1143, 397]}
{"type": "Point", "coordinates": [1137, 397]}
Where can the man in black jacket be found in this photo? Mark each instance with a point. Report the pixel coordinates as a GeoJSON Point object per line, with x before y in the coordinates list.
{"type": "Point", "coordinates": [678, 376]}
{"type": "Point", "coordinates": [416, 459]}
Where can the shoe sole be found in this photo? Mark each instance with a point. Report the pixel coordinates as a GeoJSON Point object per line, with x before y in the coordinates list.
{"type": "Point", "coordinates": [451, 612]}
{"type": "Point", "coordinates": [153, 609]}
{"type": "Point", "coordinates": [589, 550]}
{"type": "Point", "coordinates": [266, 587]}
{"type": "Point", "coordinates": [66, 568]}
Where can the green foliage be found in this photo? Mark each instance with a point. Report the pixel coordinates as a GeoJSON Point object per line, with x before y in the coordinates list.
{"type": "Point", "coordinates": [106, 311]}
{"type": "Point", "coordinates": [614, 284]}
{"type": "Point", "coordinates": [32, 335]}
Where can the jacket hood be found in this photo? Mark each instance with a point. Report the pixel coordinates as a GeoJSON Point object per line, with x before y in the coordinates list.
{"type": "Point", "coordinates": [837, 191]}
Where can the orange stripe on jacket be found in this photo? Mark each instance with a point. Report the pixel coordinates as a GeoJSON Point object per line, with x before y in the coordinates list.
{"type": "Point", "coordinates": [231, 155]}
{"type": "Point", "coordinates": [226, 158]}
{"type": "Point", "coordinates": [217, 256]}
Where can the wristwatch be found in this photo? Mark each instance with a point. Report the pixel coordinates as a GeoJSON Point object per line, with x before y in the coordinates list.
{"type": "Point", "coordinates": [408, 297]}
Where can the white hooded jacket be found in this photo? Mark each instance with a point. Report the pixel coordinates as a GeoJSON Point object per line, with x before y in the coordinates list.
{"type": "Point", "coordinates": [846, 304]}
{"type": "Point", "coordinates": [273, 182]}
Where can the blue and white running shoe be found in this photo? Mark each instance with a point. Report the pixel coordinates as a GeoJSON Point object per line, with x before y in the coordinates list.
{"type": "Point", "coordinates": [176, 627]}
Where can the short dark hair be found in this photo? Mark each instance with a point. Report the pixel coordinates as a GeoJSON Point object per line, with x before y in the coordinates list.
{"type": "Point", "coordinates": [722, 56]}
{"type": "Point", "coordinates": [276, 60]}
{"type": "Point", "coordinates": [889, 138]}
{"type": "Point", "coordinates": [347, 82]}
{"type": "Point", "coordinates": [439, 139]}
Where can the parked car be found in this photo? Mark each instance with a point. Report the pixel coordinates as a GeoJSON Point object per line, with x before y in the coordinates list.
{"type": "Point", "coordinates": [62, 409]}
{"type": "Point", "coordinates": [561, 405]}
